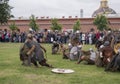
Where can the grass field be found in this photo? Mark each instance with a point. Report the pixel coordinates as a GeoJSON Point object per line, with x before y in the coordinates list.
{"type": "Point", "coordinates": [12, 72]}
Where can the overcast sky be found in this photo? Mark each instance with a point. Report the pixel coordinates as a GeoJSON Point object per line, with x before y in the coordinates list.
{"type": "Point", "coordinates": [58, 8]}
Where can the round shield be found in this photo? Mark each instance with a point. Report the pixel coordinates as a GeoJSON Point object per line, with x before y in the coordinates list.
{"type": "Point", "coordinates": [63, 71]}
{"type": "Point", "coordinates": [116, 47]}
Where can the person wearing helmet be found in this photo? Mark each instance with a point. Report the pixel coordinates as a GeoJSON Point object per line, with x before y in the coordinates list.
{"type": "Point", "coordinates": [37, 49]}
{"type": "Point", "coordinates": [74, 53]}
{"type": "Point", "coordinates": [106, 53]}
{"type": "Point", "coordinates": [55, 47]}
{"type": "Point", "coordinates": [109, 37]}
{"type": "Point", "coordinates": [88, 56]}
{"type": "Point", "coordinates": [106, 43]}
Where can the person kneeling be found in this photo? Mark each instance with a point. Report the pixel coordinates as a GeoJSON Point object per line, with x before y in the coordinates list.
{"type": "Point", "coordinates": [37, 49]}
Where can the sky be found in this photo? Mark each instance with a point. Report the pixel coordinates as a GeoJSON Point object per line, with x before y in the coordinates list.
{"type": "Point", "coordinates": [58, 8]}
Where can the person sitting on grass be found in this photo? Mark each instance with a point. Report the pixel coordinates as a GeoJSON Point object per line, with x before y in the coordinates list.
{"type": "Point", "coordinates": [55, 47]}
{"type": "Point", "coordinates": [74, 52]}
{"type": "Point", "coordinates": [65, 51]}
{"type": "Point", "coordinates": [89, 58]}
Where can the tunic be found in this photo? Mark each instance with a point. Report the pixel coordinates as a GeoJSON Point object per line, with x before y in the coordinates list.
{"type": "Point", "coordinates": [38, 53]}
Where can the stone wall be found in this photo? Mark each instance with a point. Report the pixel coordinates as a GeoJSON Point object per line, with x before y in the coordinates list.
{"type": "Point", "coordinates": [67, 23]}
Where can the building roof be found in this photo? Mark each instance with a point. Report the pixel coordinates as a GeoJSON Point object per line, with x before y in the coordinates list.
{"type": "Point", "coordinates": [103, 9]}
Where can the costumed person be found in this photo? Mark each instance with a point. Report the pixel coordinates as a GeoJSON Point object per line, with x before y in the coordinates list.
{"type": "Point", "coordinates": [37, 49]}
{"type": "Point", "coordinates": [109, 37]}
{"type": "Point", "coordinates": [55, 47]}
{"type": "Point", "coordinates": [106, 53]}
{"type": "Point", "coordinates": [114, 64]}
{"type": "Point", "coordinates": [74, 52]}
{"type": "Point", "coordinates": [90, 58]}
{"type": "Point", "coordinates": [26, 59]}
{"type": "Point", "coordinates": [98, 43]}
{"type": "Point", "coordinates": [65, 51]}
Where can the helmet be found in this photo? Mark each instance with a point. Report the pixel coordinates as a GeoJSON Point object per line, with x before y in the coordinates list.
{"type": "Point", "coordinates": [106, 43]}
{"type": "Point", "coordinates": [29, 36]}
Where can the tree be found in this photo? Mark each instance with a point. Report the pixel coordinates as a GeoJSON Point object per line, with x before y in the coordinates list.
{"type": "Point", "coordinates": [55, 25]}
{"type": "Point", "coordinates": [101, 22]}
{"type": "Point", "coordinates": [76, 26]}
{"type": "Point", "coordinates": [33, 24]}
{"type": "Point", "coordinates": [13, 27]}
{"type": "Point", "coordinates": [5, 11]}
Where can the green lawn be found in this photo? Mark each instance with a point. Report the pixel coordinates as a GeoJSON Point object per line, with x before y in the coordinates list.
{"type": "Point", "coordinates": [12, 72]}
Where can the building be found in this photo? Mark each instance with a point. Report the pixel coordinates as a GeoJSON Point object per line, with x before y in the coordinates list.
{"type": "Point", "coordinates": [104, 9]}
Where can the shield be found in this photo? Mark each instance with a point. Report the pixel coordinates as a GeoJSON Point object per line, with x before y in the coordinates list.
{"type": "Point", "coordinates": [62, 71]}
{"type": "Point", "coordinates": [116, 47]}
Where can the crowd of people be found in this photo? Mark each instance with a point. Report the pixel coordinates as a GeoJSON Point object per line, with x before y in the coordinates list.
{"type": "Point", "coordinates": [48, 36]}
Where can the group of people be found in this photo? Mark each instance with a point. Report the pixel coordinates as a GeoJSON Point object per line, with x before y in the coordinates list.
{"type": "Point", "coordinates": [104, 56]}
{"type": "Point", "coordinates": [74, 51]}
{"type": "Point", "coordinates": [107, 52]}
{"type": "Point", "coordinates": [32, 52]}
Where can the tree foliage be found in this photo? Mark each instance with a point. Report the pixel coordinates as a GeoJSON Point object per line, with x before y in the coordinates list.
{"type": "Point", "coordinates": [55, 25]}
{"type": "Point", "coordinates": [5, 11]}
{"type": "Point", "coordinates": [76, 26]}
{"type": "Point", "coordinates": [13, 26]}
{"type": "Point", "coordinates": [101, 22]}
{"type": "Point", "coordinates": [33, 23]}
